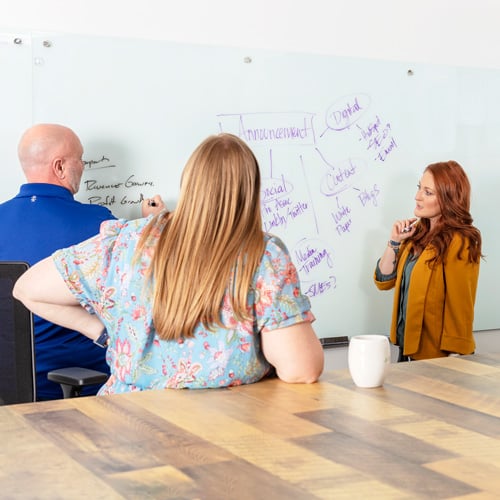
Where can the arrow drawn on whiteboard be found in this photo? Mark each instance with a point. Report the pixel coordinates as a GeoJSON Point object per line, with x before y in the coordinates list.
{"type": "Point", "coordinates": [323, 158]}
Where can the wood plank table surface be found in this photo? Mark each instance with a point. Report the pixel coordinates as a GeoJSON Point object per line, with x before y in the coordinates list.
{"type": "Point", "coordinates": [432, 431]}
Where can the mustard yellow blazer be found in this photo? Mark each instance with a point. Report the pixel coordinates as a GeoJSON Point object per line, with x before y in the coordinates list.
{"type": "Point", "coordinates": [440, 307]}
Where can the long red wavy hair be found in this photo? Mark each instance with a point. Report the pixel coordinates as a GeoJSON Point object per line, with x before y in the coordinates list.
{"type": "Point", "coordinates": [453, 192]}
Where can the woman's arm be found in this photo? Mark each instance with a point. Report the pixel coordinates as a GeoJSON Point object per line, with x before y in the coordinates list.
{"type": "Point", "coordinates": [400, 231]}
{"type": "Point", "coordinates": [295, 352]}
{"type": "Point", "coordinates": [388, 260]}
{"type": "Point", "coordinates": [43, 291]}
{"type": "Point", "coordinates": [461, 278]}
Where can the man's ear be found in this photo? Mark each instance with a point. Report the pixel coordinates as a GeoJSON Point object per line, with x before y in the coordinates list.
{"type": "Point", "coordinates": [58, 168]}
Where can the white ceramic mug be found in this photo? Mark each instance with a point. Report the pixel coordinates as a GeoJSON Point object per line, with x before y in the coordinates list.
{"type": "Point", "coordinates": [369, 357]}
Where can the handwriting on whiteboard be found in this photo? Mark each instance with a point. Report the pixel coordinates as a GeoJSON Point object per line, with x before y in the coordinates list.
{"type": "Point", "coordinates": [111, 191]}
{"type": "Point", "coordinates": [311, 163]}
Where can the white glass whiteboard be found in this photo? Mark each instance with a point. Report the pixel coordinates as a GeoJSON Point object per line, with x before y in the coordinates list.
{"type": "Point", "coordinates": [341, 144]}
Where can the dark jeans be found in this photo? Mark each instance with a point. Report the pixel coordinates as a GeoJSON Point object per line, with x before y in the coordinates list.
{"type": "Point", "coordinates": [401, 357]}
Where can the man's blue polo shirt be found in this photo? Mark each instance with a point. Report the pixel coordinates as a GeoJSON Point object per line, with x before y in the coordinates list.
{"type": "Point", "coordinates": [39, 220]}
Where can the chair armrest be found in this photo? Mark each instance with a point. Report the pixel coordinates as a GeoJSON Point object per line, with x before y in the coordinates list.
{"type": "Point", "coordinates": [73, 379]}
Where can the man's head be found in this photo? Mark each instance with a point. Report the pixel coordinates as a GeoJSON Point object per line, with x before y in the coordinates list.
{"type": "Point", "coordinates": [52, 154]}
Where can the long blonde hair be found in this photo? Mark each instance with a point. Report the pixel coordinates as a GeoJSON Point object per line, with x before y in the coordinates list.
{"type": "Point", "coordinates": [211, 243]}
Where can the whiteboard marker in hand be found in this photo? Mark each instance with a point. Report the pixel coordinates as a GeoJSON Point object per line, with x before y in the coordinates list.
{"type": "Point", "coordinates": [407, 229]}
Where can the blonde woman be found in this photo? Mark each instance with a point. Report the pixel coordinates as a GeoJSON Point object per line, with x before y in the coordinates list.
{"type": "Point", "coordinates": [196, 298]}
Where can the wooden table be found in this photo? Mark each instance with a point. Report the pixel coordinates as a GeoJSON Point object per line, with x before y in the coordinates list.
{"type": "Point", "coordinates": [432, 431]}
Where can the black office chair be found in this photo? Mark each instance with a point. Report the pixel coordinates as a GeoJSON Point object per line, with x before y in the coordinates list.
{"type": "Point", "coordinates": [17, 362]}
{"type": "Point", "coordinates": [17, 359]}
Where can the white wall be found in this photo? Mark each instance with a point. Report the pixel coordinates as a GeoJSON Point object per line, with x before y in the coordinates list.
{"type": "Point", "coordinates": [456, 32]}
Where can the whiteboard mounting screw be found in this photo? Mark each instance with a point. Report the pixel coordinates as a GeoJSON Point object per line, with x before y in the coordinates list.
{"type": "Point", "coordinates": [247, 60]}
{"type": "Point", "coordinates": [47, 43]}
{"type": "Point", "coordinates": [18, 41]}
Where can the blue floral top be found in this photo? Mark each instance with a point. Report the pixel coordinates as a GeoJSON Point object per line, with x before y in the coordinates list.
{"type": "Point", "coordinates": [105, 279]}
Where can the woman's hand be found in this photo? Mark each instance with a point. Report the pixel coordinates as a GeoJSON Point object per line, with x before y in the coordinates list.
{"type": "Point", "coordinates": [400, 231]}
{"type": "Point", "coordinates": [152, 206]}
{"type": "Point", "coordinates": [403, 229]}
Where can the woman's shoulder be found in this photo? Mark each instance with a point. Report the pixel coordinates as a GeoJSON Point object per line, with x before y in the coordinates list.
{"type": "Point", "coordinates": [457, 238]}
{"type": "Point", "coordinates": [274, 243]}
{"type": "Point", "coordinates": [114, 227]}
{"type": "Point", "coordinates": [276, 255]}
{"type": "Point", "coordinates": [459, 244]}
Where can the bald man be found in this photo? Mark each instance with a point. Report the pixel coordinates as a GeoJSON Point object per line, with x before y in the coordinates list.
{"type": "Point", "coordinates": [44, 217]}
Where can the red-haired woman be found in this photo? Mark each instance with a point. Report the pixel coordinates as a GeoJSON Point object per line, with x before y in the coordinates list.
{"type": "Point", "coordinates": [432, 261]}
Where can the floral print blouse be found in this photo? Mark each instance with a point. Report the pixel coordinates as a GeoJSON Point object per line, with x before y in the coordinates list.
{"type": "Point", "coordinates": [105, 279]}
